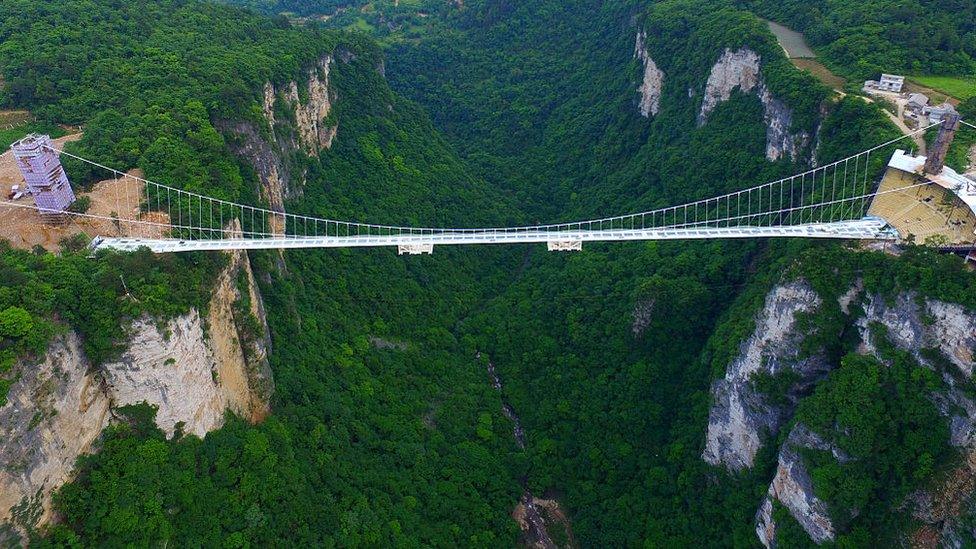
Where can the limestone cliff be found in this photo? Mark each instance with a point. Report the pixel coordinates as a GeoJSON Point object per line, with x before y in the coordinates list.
{"type": "Point", "coordinates": [741, 416]}
{"type": "Point", "coordinates": [912, 324]}
{"type": "Point", "coordinates": [793, 488]}
{"type": "Point", "coordinates": [296, 123]}
{"type": "Point", "coordinates": [741, 69]}
{"type": "Point", "coordinates": [192, 368]}
{"type": "Point", "coordinates": [54, 413]}
{"type": "Point", "coordinates": [652, 81]}
{"type": "Point", "coordinates": [192, 376]}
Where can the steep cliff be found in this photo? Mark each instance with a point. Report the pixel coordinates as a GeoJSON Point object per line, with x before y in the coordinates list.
{"type": "Point", "coordinates": [652, 81]}
{"type": "Point", "coordinates": [296, 123]}
{"type": "Point", "coordinates": [793, 487]}
{"type": "Point", "coordinates": [940, 336]}
{"type": "Point", "coordinates": [54, 413]}
{"type": "Point", "coordinates": [192, 368]}
{"type": "Point", "coordinates": [741, 416]}
{"type": "Point", "coordinates": [741, 69]}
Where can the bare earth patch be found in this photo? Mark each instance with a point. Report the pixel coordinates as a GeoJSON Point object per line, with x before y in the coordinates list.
{"type": "Point", "coordinates": [119, 198]}
{"type": "Point", "coordinates": [820, 71]}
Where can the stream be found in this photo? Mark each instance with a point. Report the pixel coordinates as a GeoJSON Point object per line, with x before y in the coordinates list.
{"type": "Point", "coordinates": [534, 526]}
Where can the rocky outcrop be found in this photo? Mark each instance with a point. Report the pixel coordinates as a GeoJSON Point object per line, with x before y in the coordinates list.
{"type": "Point", "coordinates": [793, 488]}
{"type": "Point", "coordinates": [913, 325]}
{"type": "Point", "coordinates": [307, 130]}
{"type": "Point", "coordinates": [780, 142]}
{"type": "Point", "coordinates": [740, 69]}
{"type": "Point", "coordinates": [734, 69]}
{"type": "Point", "coordinates": [169, 367]}
{"type": "Point", "coordinates": [315, 132]}
{"type": "Point", "coordinates": [740, 416]}
{"type": "Point", "coordinates": [642, 314]}
{"type": "Point", "coordinates": [939, 509]}
{"type": "Point", "coordinates": [54, 413]}
{"type": "Point", "coordinates": [917, 326]}
{"type": "Point", "coordinates": [192, 368]}
{"type": "Point", "coordinates": [241, 340]}
{"type": "Point", "coordinates": [652, 81]}
{"type": "Point", "coordinates": [265, 154]}
{"type": "Point", "coordinates": [541, 522]}
{"type": "Point", "coordinates": [191, 377]}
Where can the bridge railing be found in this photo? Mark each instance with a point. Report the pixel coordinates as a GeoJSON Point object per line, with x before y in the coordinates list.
{"type": "Point", "coordinates": [837, 191]}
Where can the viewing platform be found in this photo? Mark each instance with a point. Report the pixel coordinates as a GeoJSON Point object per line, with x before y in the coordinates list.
{"type": "Point", "coordinates": [943, 211]}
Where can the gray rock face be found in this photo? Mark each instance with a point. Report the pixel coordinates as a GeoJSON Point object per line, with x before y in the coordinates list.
{"type": "Point", "coordinates": [171, 369]}
{"type": "Point", "coordinates": [793, 488]}
{"type": "Point", "coordinates": [939, 510]}
{"type": "Point", "coordinates": [652, 81]}
{"type": "Point", "coordinates": [265, 156]}
{"type": "Point", "coordinates": [740, 417]}
{"type": "Point", "coordinates": [312, 132]}
{"type": "Point", "coordinates": [953, 331]}
{"type": "Point", "coordinates": [54, 413]}
{"type": "Point", "coordinates": [643, 314]}
{"type": "Point", "coordinates": [60, 404]}
{"type": "Point", "coordinates": [902, 319]}
{"type": "Point", "coordinates": [192, 377]}
{"type": "Point", "coordinates": [734, 69]}
{"type": "Point", "coordinates": [912, 325]}
{"type": "Point", "coordinates": [741, 69]}
{"type": "Point", "coordinates": [780, 143]}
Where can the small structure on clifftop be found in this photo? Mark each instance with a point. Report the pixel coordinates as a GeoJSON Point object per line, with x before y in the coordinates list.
{"type": "Point", "coordinates": [889, 83]}
{"type": "Point", "coordinates": [41, 167]}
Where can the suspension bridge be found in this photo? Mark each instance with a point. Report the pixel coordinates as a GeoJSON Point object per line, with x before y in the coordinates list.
{"type": "Point", "coordinates": [831, 201]}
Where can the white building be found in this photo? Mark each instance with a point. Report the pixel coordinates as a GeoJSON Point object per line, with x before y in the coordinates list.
{"type": "Point", "coordinates": [891, 82]}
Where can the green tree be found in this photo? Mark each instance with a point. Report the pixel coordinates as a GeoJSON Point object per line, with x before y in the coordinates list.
{"type": "Point", "coordinates": [15, 322]}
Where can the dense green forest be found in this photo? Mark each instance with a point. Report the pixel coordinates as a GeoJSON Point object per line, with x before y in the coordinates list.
{"type": "Point", "coordinates": [386, 19]}
{"type": "Point", "coordinates": [386, 429]}
{"type": "Point", "coordinates": [352, 460]}
{"type": "Point", "coordinates": [862, 39]}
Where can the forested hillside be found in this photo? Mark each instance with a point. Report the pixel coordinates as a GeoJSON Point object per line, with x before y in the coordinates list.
{"type": "Point", "coordinates": [862, 39]}
{"type": "Point", "coordinates": [386, 429]}
{"type": "Point", "coordinates": [381, 18]}
{"type": "Point", "coordinates": [617, 407]}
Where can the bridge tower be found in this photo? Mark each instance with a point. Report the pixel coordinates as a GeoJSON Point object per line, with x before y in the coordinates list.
{"type": "Point", "coordinates": [935, 160]}
{"type": "Point", "coordinates": [41, 167]}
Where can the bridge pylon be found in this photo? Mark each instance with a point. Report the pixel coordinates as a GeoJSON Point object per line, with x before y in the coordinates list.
{"type": "Point", "coordinates": [935, 160]}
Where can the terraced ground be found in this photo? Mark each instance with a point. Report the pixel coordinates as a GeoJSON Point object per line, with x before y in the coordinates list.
{"type": "Point", "coordinates": [803, 57]}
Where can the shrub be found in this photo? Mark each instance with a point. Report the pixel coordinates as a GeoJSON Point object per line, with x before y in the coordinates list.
{"type": "Point", "coordinates": [81, 205]}
{"type": "Point", "coordinates": [15, 322]}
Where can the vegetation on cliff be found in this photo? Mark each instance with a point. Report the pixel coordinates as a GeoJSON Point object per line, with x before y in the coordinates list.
{"type": "Point", "coordinates": [386, 430]}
